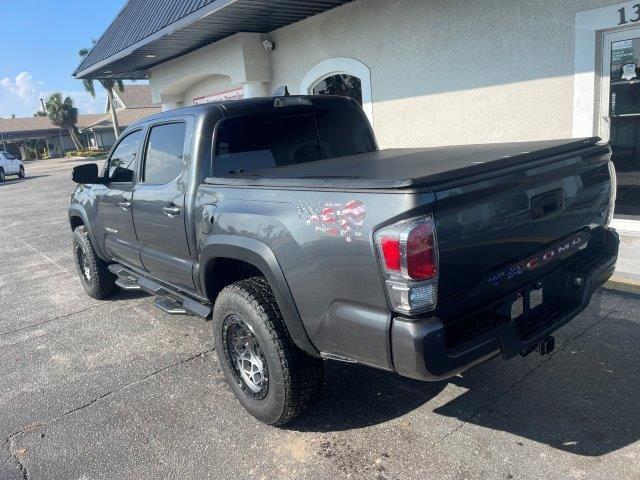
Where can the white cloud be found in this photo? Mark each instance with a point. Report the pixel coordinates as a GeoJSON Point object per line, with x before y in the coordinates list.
{"type": "Point", "coordinates": [24, 86]}
{"type": "Point", "coordinates": [21, 96]}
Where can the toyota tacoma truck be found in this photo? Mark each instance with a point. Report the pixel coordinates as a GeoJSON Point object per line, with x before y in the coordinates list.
{"type": "Point", "coordinates": [281, 221]}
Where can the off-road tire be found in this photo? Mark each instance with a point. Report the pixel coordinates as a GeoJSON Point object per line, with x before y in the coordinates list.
{"type": "Point", "coordinates": [21, 173]}
{"type": "Point", "coordinates": [2, 175]}
{"type": "Point", "coordinates": [294, 377]}
{"type": "Point", "coordinates": [101, 283]}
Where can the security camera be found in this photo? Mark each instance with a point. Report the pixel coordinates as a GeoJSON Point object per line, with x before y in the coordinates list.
{"type": "Point", "coordinates": [269, 46]}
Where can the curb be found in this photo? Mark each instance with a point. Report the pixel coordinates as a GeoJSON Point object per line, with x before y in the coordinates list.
{"type": "Point", "coordinates": [623, 284]}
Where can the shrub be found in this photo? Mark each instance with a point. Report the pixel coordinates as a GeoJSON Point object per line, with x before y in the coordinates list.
{"type": "Point", "coordinates": [86, 153]}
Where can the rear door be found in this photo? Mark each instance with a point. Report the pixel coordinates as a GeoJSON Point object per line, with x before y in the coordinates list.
{"type": "Point", "coordinates": [159, 203]}
{"type": "Point", "coordinates": [114, 219]}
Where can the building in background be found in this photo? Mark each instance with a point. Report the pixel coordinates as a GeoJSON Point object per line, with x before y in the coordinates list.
{"type": "Point", "coordinates": [133, 104]}
{"type": "Point", "coordinates": [426, 72]}
{"type": "Point", "coordinates": [19, 135]}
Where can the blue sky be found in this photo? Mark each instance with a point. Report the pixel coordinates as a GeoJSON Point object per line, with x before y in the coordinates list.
{"type": "Point", "coordinates": [40, 43]}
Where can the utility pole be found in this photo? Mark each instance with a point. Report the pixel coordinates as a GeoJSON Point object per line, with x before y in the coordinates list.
{"type": "Point", "coordinates": [61, 148]}
{"type": "Point", "coordinates": [43, 107]}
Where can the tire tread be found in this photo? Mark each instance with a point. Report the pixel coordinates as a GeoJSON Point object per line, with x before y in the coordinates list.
{"type": "Point", "coordinates": [303, 374]}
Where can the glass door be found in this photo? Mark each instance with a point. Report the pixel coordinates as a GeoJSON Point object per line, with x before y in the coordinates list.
{"type": "Point", "coordinates": [620, 119]}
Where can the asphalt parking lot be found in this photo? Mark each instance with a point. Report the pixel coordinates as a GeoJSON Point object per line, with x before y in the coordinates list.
{"type": "Point", "coordinates": [119, 390]}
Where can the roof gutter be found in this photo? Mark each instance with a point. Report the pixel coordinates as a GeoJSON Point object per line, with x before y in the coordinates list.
{"type": "Point", "coordinates": [203, 12]}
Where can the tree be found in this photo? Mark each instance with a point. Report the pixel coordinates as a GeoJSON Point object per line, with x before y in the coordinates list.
{"type": "Point", "coordinates": [109, 84]}
{"type": "Point", "coordinates": [40, 113]}
{"type": "Point", "coordinates": [63, 114]}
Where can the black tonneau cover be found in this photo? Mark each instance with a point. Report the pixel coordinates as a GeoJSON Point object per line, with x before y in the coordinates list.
{"type": "Point", "coordinates": [409, 168]}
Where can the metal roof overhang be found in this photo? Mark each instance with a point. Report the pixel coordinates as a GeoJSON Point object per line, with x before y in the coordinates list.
{"type": "Point", "coordinates": [210, 23]}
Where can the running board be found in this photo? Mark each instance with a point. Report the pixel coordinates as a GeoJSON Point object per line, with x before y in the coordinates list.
{"type": "Point", "coordinates": [168, 300]}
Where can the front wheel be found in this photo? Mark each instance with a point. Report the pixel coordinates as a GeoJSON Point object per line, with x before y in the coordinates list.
{"type": "Point", "coordinates": [21, 173]}
{"type": "Point", "coordinates": [2, 177]}
{"type": "Point", "coordinates": [271, 377]}
{"type": "Point", "coordinates": [97, 280]}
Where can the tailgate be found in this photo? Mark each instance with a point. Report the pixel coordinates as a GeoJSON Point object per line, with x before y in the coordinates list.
{"type": "Point", "coordinates": [485, 226]}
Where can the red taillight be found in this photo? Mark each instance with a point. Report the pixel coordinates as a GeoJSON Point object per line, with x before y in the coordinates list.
{"type": "Point", "coordinates": [390, 247]}
{"type": "Point", "coordinates": [408, 253]}
{"type": "Point", "coordinates": [421, 263]}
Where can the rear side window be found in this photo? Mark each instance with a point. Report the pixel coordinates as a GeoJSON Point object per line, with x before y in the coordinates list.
{"type": "Point", "coordinates": [250, 143]}
{"type": "Point", "coordinates": [164, 153]}
{"type": "Point", "coordinates": [122, 163]}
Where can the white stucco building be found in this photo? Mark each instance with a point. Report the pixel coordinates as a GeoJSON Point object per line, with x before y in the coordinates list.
{"type": "Point", "coordinates": [427, 72]}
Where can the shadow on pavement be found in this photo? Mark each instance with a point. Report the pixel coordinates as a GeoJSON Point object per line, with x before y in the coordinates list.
{"type": "Point", "coordinates": [13, 180]}
{"type": "Point", "coordinates": [356, 396]}
{"type": "Point", "coordinates": [586, 402]}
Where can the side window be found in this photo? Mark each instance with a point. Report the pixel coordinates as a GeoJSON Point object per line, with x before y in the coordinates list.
{"type": "Point", "coordinates": [164, 154]}
{"type": "Point", "coordinates": [122, 162]}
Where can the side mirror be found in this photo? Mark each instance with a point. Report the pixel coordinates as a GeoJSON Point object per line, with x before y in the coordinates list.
{"type": "Point", "coordinates": [85, 173]}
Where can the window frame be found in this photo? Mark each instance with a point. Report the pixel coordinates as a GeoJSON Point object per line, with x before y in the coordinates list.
{"type": "Point", "coordinates": [113, 150]}
{"type": "Point", "coordinates": [341, 65]}
{"type": "Point", "coordinates": [145, 146]}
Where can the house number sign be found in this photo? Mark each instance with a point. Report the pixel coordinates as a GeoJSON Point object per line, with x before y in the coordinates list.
{"type": "Point", "coordinates": [629, 14]}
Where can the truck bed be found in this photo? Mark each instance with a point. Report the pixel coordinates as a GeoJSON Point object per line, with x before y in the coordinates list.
{"type": "Point", "coordinates": [410, 168]}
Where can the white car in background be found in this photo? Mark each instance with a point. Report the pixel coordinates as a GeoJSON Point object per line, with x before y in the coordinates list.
{"type": "Point", "coordinates": [10, 165]}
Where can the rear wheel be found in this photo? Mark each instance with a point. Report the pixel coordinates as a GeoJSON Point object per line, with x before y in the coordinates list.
{"type": "Point", "coordinates": [271, 377]}
{"type": "Point", "coordinates": [21, 173]}
{"type": "Point", "coordinates": [97, 280]}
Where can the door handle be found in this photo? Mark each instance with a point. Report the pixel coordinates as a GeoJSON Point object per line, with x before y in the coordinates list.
{"type": "Point", "coordinates": [125, 204]}
{"type": "Point", "coordinates": [171, 211]}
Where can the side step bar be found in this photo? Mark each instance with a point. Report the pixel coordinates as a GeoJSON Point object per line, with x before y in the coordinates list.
{"type": "Point", "coordinates": [168, 300]}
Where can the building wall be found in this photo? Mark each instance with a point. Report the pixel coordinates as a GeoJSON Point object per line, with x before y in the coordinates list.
{"type": "Point", "coordinates": [449, 71]}
{"type": "Point", "coordinates": [442, 71]}
{"type": "Point", "coordinates": [208, 86]}
{"type": "Point", "coordinates": [237, 61]}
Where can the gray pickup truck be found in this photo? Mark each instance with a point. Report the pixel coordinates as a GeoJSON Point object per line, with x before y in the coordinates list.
{"type": "Point", "coordinates": [280, 220]}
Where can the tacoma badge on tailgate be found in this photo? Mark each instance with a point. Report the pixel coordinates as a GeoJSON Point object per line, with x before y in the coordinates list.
{"type": "Point", "coordinates": [557, 251]}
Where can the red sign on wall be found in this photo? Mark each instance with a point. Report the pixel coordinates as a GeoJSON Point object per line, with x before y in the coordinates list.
{"type": "Point", "coordinates": [236, 94]}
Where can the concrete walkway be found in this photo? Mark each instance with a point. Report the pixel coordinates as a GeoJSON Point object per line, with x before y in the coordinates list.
{"type": "Point", "coordinates": [627, 276]}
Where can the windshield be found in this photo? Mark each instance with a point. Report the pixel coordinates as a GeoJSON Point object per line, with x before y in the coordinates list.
{"type": "Point", "coordinates": [257, 142]}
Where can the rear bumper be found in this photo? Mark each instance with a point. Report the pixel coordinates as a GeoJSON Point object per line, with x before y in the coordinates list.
{"type": "Point", "coordinates": [427, 349]}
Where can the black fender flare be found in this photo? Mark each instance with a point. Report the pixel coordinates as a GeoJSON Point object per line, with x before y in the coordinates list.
{"type": "Point", "coordinates": [259, 255]}
{"type": "Point", "coordinates": [76, 211]}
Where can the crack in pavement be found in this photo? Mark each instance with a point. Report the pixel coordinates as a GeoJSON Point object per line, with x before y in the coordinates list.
{"type": "Point", "coordinates": [8, 442]}
{"type": "Point", "coordinates": [16, 458]}
{"type": "Point", "coordinates": [135, 382]}
{"type": "Point", "coordinates": [520, 381]}
{"type": "Point", "coordinates": [59, 317]}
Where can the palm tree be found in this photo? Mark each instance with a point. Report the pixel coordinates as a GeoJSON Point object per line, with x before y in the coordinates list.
{"type": "Point", "coordinates": [109, 84]}
{"type": "Point", "coordinates": [63, 114]}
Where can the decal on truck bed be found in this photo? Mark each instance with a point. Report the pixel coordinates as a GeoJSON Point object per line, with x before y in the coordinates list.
{"type": "Point", "coordinates": [334, 219]}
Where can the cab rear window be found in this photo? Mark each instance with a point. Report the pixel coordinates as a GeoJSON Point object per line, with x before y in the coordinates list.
{"type": "Point", "coordinates": [258, 142]}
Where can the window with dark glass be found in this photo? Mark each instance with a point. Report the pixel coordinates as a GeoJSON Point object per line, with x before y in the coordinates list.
{"type": "Point", "coordinates": [251, 143]}
{"type": "Point", "coordinates": [340, 84]}
{"type": "Point", "coordinates": [122, 162]}
{"type": "Point", "coordinates": [164, 153]}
